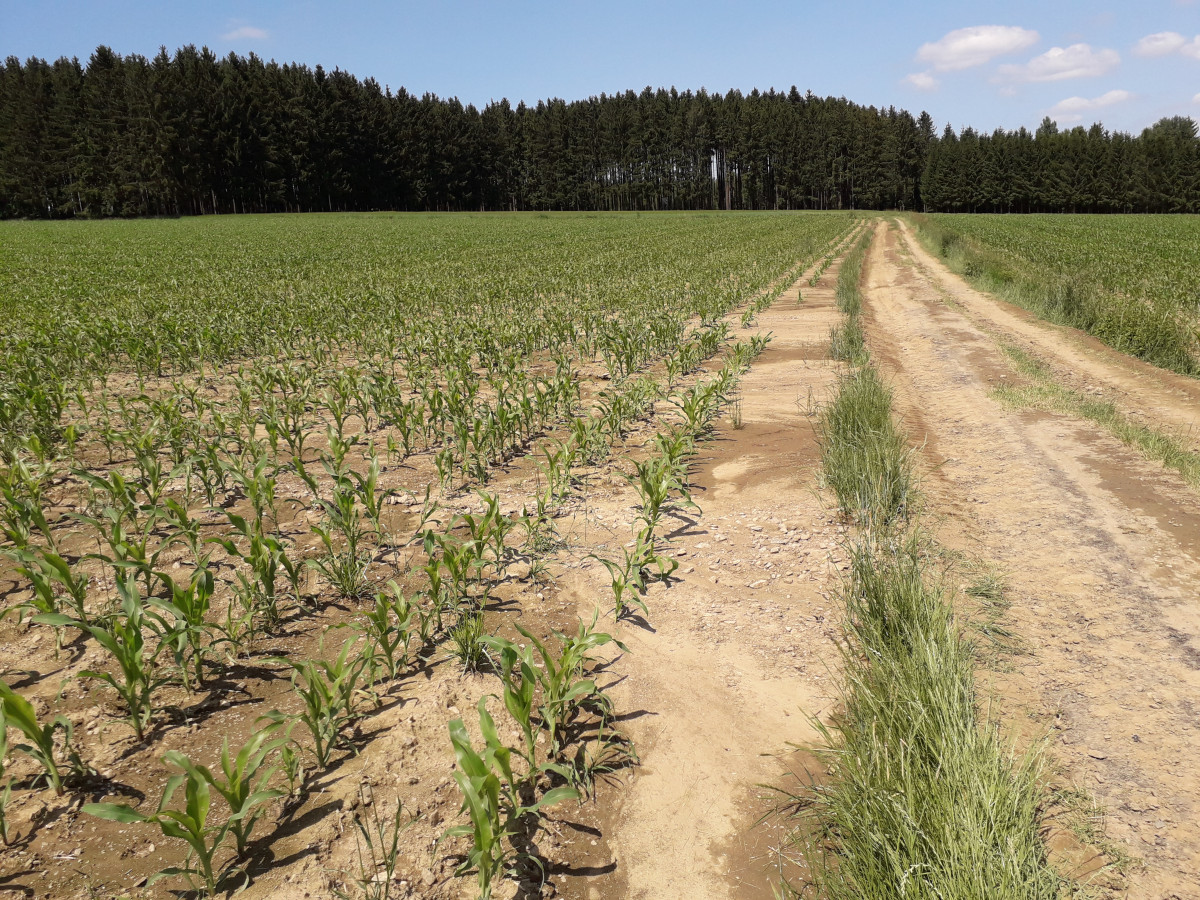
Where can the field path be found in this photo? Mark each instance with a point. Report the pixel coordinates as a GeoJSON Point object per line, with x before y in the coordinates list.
{"type": "Point", "coordinates": [1101, 550]}
{"type": "Point", "coordinates": [1151, 395]}
{"type": "Point", "coordinates": [742, 647]}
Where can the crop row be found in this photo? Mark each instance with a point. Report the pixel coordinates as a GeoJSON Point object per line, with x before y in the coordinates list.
{"type": "Point", "coordinates": [169, 527]}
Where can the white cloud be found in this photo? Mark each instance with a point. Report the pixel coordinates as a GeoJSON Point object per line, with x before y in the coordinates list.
{"type": "Point", "coordinates": [1083, 104]}
{"type": "Point", "coordinates": [975, 46]}
{"type": "Point", "coordinates": [246, 33]}
{"type": "Point", "coordinates": [1061, 63]}
{"type": "Point", "coordinates": [922, 81]}
{"type": "Point", "coordinates": [1196, 99]}
{"type": "Point", "coordinates": [1164, 43]}
{"type": "Point", "coordinates": [1191, 48]}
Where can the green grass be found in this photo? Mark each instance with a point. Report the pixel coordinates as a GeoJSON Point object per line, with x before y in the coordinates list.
{"type": "Point", "coordinates": [1128, 280]}
{"type": "Point", "coordinates": [849, 298]}
{"type": "Point", "coordinates": [847, 342]}
{"type": "Point", "coordinates": [1046, 393]}
{"type": "Point", "coordinates": [865, 459]}
{"type": "Point", "coordinates": [927, 799]}
{"type": "Point", "coordinates": [1085, 818]}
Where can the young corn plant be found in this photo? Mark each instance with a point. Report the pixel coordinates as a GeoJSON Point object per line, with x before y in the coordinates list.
{"type": "Point", "coordinates": [629, 576]}
{"type": "Point", "coordinates": [561, 678]}
{"type": "Point", "coordinates": [187, 633]}
{"type": "Point", "coordinates": [519, 678]}
{"type": "Point", "coordinates": [559, 459]}
{"type": "Point", "coordinates": [345, 562]}
{"type": "Point", "coordinates": [17, 712]}
{"type": "Point", "coordinates": [492, 799]}
{"type": "Point", "coordinates": [6, 790]}
{"type": "Point", "coordinates": [242, 782]}
{"type": "Point", "coordinates": [372, 498]}
{"type": "Point", "coordinates": [266, 560]}
{"type": "Point", "coordinates": [124, 637]}
{"type": "Point", "coordinates": [388, 626]}
{"type": "Point", "coordinates": [189, 824]}
{"type": "Point", "coordinates": [21, 497]}
{"type": "Point", "coordinates": [329, 691]}
{"type": "Point", "coordinates": [51, 580]}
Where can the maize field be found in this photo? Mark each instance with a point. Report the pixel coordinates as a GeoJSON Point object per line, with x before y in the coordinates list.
{"type": "Point", "coordinates": [270, 483]}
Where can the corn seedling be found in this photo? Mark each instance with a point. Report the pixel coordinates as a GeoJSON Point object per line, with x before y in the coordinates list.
{"type": "Point", "coordinates": [6, 790]}
{"type": "Point", "coordinates": [17, 712]}
{"type": "Point", "coordinates": [124, 637]}
{"type": "Point", "coordinates": [189, 824]}
{"type": "Point", "coordinates": [241, 782]}
{"type": "Point", "coordinates": [388, 625]}
{"type": "Point", "coordinates": [492, 799]}
{"type": "Point", "coordinates": [329, 691]}
{"type": "Point", "coordinates": [564, 689]}
{"type": "Point", "coordinates": [188, 632]}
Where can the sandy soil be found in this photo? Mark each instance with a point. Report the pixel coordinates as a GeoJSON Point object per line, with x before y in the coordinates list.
{"type": "Point", "coordinates": [742, 648]}
{"type": "Point", "coordinates": [1100, 547]}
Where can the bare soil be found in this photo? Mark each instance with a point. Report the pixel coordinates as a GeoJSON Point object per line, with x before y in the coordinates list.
{"type": "Point", "coordinates": [742, 649]}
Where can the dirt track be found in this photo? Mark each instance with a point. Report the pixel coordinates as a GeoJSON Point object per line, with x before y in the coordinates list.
{"type": "Point", "coordinates": [741, 648]}
{"type": "Point", "coordinates": [1101, 547]}
{"type": "Point", "coordinates": [1150, 394]}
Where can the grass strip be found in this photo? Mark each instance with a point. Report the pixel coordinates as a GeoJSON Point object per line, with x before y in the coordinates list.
{"type": "Point", "coordinates": [927, 800]}
{"type": "Point", "coordinates": [1145, 327]}
{"type": "Point", "coordinates": [1045, 392]}
{"type": "Point", "coordinates": [846, 341]}
{"type": "Point", "coordinates": [865, 459]}
{"type": "Point", "coordinates": [864, 456]}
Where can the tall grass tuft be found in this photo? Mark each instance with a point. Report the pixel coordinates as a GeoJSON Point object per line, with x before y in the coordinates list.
{"type": "Point", "coordinates": [927, 800]}
{"type": "Point", "coordinates": [847, 342]}
{"type": "Point", "coordinates": [866, 462]}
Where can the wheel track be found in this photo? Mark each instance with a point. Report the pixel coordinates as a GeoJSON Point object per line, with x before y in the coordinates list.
{"type": "Point", "coordinates": [1100, 547]}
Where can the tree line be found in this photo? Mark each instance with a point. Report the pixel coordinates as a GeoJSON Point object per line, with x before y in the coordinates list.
{"type": "Point", "coordinates": [190, 134]}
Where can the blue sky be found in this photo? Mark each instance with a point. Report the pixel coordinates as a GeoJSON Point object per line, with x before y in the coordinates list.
{"type": "Point", "coordinates": [986, 64]}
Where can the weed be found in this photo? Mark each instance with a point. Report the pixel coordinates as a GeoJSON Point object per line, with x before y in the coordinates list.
{"type": "Point", "coordinates": [468, 640]}
{"type": "Point", "coordinates": [377, 846]}
{"type": "Point", "coordinates": [863, 453]}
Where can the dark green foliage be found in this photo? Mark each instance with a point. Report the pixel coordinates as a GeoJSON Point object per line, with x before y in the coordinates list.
{"type": "Point", "coordinates": [1076, 171]}
{"type": "Point", "coordinates": [194, 134]}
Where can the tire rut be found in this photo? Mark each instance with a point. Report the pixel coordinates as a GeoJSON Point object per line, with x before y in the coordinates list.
{"type": "Point", "coordinates": [1099, 548]}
